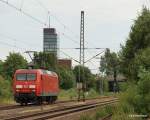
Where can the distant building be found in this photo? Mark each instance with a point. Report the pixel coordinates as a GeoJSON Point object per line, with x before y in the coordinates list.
{"type": "Point", "coordinates": [67, 63]}
{"type": "Point", "coordinates": [111, 83]}
{"type": "Point", "coordinates": [50, 40]}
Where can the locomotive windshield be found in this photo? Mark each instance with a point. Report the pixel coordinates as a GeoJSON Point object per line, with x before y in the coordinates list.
{"type": "Point", "coordinates": [21, 76]}
{"type": "Point", "coordinates": [26, 76]}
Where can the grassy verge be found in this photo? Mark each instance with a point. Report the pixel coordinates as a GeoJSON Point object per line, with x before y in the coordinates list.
{"type": "Point", "coordinates": [73, 94]}
{"type": "Point", "coordinates": [100, 112]}
{"type": "Point", "coordinates": [120, 111]}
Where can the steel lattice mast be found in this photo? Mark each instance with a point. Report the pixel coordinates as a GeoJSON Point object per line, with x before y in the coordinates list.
{"type": "Point", "coordinates": [82, 79]}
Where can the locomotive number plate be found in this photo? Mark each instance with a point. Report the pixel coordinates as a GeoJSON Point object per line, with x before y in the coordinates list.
{"type": "Point", "coordinates": [25, 86]}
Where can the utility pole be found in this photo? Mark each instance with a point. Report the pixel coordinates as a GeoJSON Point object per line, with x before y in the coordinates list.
{"type": "Point", "coordinates": [82, 54]}
{"type": "Point", "coordinates": [81, 84]}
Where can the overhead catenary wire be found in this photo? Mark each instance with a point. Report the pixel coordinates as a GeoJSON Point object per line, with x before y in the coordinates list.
{"type": "Point", "coordinates": [61, 23]}
{"type": "Point", "coordinates": [35, 19]}
{"type": "Point", "coordinates": [38, 20]}
{"type": "Point", "coordinates": [69, 56]}
{"type": "Point", "coordinates": [21, 41]}
{"type": "Point", "coordinates": [11, 45]}
{"type": "Point", "coordinates": [56, 18]}
{"type": "Point", "coordinates": [24, 49]}
{"type": "Point", "coordinates": [15, 46]}
{"type": "Point", "coordinates": [23, 12]}
{"type": "Point", "coordinates": [94, 56]}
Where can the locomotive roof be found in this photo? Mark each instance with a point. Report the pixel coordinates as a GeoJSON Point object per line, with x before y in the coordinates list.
{"type": "Point", "coordinates": [35, 70]}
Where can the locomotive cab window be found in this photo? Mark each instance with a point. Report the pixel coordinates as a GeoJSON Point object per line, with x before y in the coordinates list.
{"type": "Point", "coordinates": [31, 76]}
{"type": "Point", "coordinates": [21, 76]}
{"type": "Point", "coordinates": [26, 76]}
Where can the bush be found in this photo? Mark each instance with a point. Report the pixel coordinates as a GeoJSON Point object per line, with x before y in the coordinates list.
{"type": "Point", "coordinates": [5, 91]}
{"type": "Point", "coordinates": [136, 98]}
{"type": "Point", "coordinates": [68, 94]}
{"type": "Point", "coordinates": [143, 97]}
{"type": "Point", "coordinates": [92, 93]}
{"type": "Point", "coordinates": [123, 86]}
{"type": "Point", "coordinates": [66, 77]}
{"type": "Point", "coordinates": [100, 113]}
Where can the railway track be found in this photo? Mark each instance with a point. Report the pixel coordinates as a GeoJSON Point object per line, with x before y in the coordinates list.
{"type": "Point", "coordinates": [49, 114]}
{"type": "Point", "coordinates": [8, 107]}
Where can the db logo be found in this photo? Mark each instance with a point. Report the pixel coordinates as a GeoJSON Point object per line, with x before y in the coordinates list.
{"type": "Point", "coordinates": [25, 86]}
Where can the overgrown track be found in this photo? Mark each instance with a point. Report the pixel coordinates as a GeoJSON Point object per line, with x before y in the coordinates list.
{"type": "Point", "coordinates": [8, 107]}
{"type": "Point", "coordinates": [64, 111]}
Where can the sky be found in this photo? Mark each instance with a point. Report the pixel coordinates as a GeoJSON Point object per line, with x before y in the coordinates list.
{"type": "Point", "coordinates": [107, 25]}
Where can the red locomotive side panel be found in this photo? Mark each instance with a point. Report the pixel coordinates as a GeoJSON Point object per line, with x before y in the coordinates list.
{"type": "Point", "coordinates": [49, 84]}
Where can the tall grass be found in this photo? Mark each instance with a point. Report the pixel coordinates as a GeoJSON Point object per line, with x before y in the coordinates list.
{"type": "Point", "coordinates": [73, 94]}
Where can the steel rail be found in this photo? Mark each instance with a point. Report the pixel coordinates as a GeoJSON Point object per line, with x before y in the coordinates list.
{"type": "Point", "coordinates": [8, 107]}
{"type": "Point", "coordinates": [74, 110]}
{"type": "Point", "coordinates": [63, 111]}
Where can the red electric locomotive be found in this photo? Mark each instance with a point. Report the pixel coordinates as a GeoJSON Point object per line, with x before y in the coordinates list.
{"type": "Point", "coordinates": [35, 86]}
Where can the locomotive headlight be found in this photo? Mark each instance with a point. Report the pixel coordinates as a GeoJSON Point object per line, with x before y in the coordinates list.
{"type": "Point", "coordinates": [31, 86]}
{"type": "Point", "coordinates": [19, 86]}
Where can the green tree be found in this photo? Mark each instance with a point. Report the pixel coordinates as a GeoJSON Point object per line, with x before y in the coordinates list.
{"type": "Point", "coordinates": [1, 67]}
{"type": "Point", "coordinates": [109, 63]}
{"type": "Point", "coordinates": [45, 60]}
{"type": "Point", "coordinates": [66, 77]}
{"type": "Point", "coordinates": [135, 57]}
{"type": "Point", "coordinates": [142, 59]}
{"type": "Point", "coordinates": [87, 76]}
{"type": "Point", "coordinates": [13, 62]}
{"type": "Point", "coordinates": [139, 38]}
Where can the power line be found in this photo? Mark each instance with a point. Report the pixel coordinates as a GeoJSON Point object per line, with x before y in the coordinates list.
{"type": "Point", "coordinates": [56, 18]}
{"type": "Point", "coordinates": [10, 45]}
{"type": "Point", "coordinates": [13, 39]}
{"type": "Point", "coordinates": [23, 12]}
{"type": "Point", "coordinates": [28, 15]}
{"type": "Point", "coordinates": [38, 20]}
{"type": "Point", "coordinates": [69, 56]}
{"type": "Point", "coordinates": [94, 56]}
{"type": "Point", "coordinates": [35, 19]}
{"type": "Point", "coordinates": [21, 48]}
{"type": "Point", "coordinates": [45, 8]}
{"type": "Point", "coordinates": [69, 38]}
{"type": "Point", "coordinates": [59, 21]}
